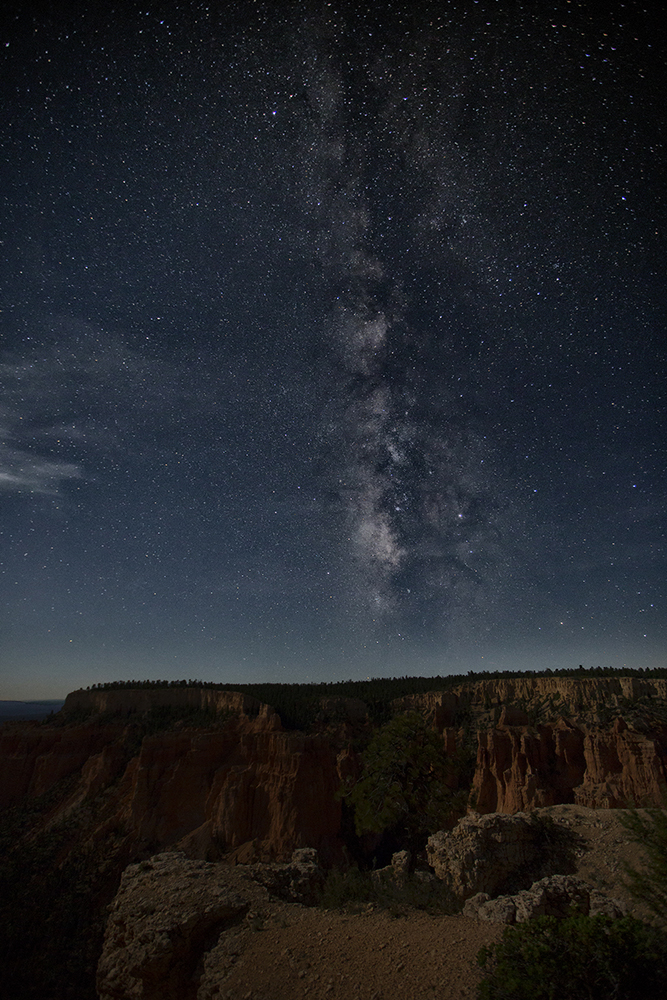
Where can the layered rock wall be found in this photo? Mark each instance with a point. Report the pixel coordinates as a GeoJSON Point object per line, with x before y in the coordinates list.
{"type": "Point", "coordinates": [126, 700]}
{"type": "Point", "coordinates": [212, 790]}
{"type": "Point", "coordinates": [553, 696]}
{"type": "Point", "coordinates": [249, 782]}
{"type": "Point", "coordinates": [520, 767]}
{"type": "Point", "coordinates": [34, 758]}
{"type": "Point", "coordinates": [246, 786]}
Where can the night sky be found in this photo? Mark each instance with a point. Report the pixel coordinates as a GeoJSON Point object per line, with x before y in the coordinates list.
{"type": "Point", "coordinates": [332, 341]}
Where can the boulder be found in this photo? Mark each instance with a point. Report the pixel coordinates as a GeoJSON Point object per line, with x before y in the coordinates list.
{"type": "Point", "coordinates": [554, 896]}
{"type": "Point", "coordinates": [168, 913]}
{"type": "Point", "coordinates": [299, 881]}
{"type": "Point", "coordinates": [396, 874]}
{"type": "Point", "coordinates": [485, 853]}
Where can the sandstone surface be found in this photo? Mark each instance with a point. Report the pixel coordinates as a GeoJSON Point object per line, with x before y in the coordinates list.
{"type": "Point", "coordinates": [553, 896]}
{"type": "Point", "coordinates": [237, 788]}
{"type": "Point", "coordinates": [180, 930]}
{"type": "Point", "coordinates": [246, 786]}
{"type": "Point", "coordinates": [544, 698]}
{"type": "Point", "coordinates": [143, 699]}
{"type": "Point", "coordinates": [34, 757]}
{"type": "Point", "coordinates": [168, 913]}
{"type": "Point", "coordinates": [486, 853]}
{"type": "Point", "coordinates": [298, 881]}
{"type": "Point", "coordinates": [169, 920]}
{"type": "Point", "coordinates": [521, 767]}
{"type": "Point", "coordinates": [246, 783]}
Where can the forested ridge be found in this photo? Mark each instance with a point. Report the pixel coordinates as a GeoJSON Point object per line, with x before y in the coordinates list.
{"type": "Point", "coordinates": [298, 704]}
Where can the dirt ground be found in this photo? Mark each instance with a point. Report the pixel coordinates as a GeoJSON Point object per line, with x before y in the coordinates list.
{"type": "Point", "coordinates": [291, 952]}
{"type": "Point", "coordinates": [303, 953]}
{"type": "Point", "coordinates": [604, 852]}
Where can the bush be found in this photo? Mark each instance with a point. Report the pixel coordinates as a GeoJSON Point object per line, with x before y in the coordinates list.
{"type": "Point", "coordinates": [347, 890]}
{"type": "Point", "coordinates": [649, 830]}
{"type": "Point", "coordinates": [352, 889]}
{"type": "Point", "coordinates": [581, 958]}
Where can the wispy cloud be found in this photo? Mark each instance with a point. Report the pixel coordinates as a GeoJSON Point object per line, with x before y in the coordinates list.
{"type": "Point", "coordinates": [84, 395]}
{"type": "Point", "coordinates": [23, 472]}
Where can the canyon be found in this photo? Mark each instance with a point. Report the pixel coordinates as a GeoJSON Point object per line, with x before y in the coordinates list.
{"type": "Point", "coordinates": [121, 774]}
{"type": "Point", "coordinates": [251, 789]}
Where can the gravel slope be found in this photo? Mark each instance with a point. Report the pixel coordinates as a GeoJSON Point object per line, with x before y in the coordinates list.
{"type": "Point", "coordinates": [303, 953]}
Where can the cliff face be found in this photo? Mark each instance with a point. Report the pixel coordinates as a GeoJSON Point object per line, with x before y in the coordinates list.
{"type": "Point", "coordinates": [213, 791]}
{"type": "Point", "coordinates": [93, 796]}
{"type": "Point", "coordinates": [246, 786]}
{"type": "Point", "coordinates": [126, 700]}
{"type": "Point", "coordinates": [521, 768]}
{"type": "Point", "coordinates": [34, 758]}
{"type": "Point", "coordinates": [249, 782]}
{"type": "Point", "coordinates": [541, 698]}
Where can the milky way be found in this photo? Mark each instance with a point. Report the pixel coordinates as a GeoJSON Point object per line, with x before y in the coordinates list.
{"type": "Point", "coordinates": [425, 513]}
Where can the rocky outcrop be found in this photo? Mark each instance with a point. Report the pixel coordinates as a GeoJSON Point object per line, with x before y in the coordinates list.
{"type": "Point", "coordinates": [486, 853]}
{"type": "Point", "coordinates": [623, 768]}
{"type": "Point", "coordinates": [176, 925]}
{"type": "Point", "coordinates": [243, 786]}
{"type": "Point", "coordinates": [520, 767]}
{"type": "Point", "coordinates": [216, 791]}
{"type": "Point", "coordinates": [212, 790]}
{"type": "Point", "coordinates": [490, 863]}
{"type": "Point", "coordinates": [554, 896]}
{"type": "Point", "coordinates": [168, 914]}
{"type": "Point", "coordinates": [299, 881]}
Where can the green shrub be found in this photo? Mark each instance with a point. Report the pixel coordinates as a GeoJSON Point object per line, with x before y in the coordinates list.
{"type": "Point", "coordinates": [352, 889]}
{"type": "Point", "coordinates": [347, 890]}
{"type": "Point", "coordinates": [581, 958]}
{"type": "Point", "coordinates": [648, 828]}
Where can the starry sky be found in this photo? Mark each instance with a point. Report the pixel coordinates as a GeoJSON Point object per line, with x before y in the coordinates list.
{"type": "Point", "coordinates": [331, 341]}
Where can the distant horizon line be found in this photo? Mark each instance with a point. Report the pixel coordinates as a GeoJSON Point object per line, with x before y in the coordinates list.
{"type": "Point", "coordinates": [469, 675]}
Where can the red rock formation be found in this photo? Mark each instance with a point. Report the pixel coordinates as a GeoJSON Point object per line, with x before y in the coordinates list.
{"type": "Point", "coordinates": [570, 696]}
{"type": "Point", "coordinates": [248, 787]}
{"type": "Point", "coordinates": [33, 757]}
{"type": "Point", "coordinates": [215, 791]}
{"type": "Point", "coordinates": [520, 768]}
{"type": "Point", "coordinates": [623, 768]}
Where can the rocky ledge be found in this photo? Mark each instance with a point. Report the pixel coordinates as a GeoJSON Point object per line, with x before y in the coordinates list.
{"type": "Point", "coordinates": [177, 927]}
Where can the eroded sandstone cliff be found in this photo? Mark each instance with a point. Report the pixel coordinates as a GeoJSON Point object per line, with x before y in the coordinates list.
{"type": "Point", "coordinates": [121, 774]}
{"type": "Point", "coordinates": [535, 699]}
{"type": "Point", "coordinates": [143, 699]}
{"type": "Point", "coordinates": [246, 785]}
{"type": "Point", "coordinates": [547, 740]}
{"type": "Point", "coordinates": [34, 757]}
{"type": "Point", "coordinates": [523, 767]}
{"type": "Point", "coordinates": [214, 790]}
